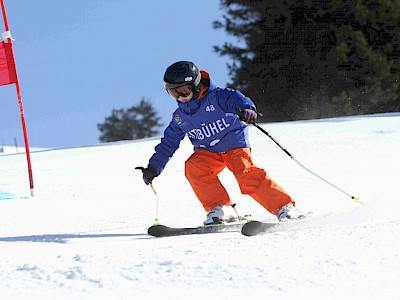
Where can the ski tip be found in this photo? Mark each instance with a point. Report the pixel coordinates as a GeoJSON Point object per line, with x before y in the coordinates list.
{"type": "Point", "coordinates": [252, 228]}
{"type": "Point", "coordinates": [154, 230]}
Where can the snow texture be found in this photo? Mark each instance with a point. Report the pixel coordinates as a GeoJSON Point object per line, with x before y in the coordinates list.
{"type": "Point", "coordinates": [83, 236]}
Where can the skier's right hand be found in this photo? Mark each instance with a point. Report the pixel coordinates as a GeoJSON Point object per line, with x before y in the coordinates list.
{"type": "Point", "coordinates": [149, 174]}
{"type": "Point", "coordinates": [247, 115]}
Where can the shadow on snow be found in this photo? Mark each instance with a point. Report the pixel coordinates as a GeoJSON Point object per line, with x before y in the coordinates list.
{"type": "Point", "coordinates": [63, 238]}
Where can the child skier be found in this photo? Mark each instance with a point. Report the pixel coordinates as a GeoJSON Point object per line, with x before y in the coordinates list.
{"type": "Point", "coordinates": [215, 120]}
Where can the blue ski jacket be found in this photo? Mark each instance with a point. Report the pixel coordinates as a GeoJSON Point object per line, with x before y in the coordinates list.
{"type": "Point", "coordinates": [210, 122]}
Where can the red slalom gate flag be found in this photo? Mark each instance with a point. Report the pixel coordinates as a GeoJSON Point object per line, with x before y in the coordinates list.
{"type": "Point", "coordinates": [8, 73]}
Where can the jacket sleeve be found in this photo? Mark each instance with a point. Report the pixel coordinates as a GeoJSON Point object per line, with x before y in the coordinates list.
{"type": "Point", "coordinates": [232, 100]}
{"type": "Point", "coordinates": [173, 136]}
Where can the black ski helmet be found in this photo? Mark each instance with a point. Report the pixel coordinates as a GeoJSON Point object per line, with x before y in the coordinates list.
{"type": "Point", "coordinates": [182, 73]}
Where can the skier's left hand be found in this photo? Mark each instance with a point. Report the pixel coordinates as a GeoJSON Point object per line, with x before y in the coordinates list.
{"type": "Point", "coordinates": [247, 115]}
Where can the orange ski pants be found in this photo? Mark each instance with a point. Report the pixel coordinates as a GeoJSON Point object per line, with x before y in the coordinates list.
{"type": "Point", "coordinates": [202, 169]}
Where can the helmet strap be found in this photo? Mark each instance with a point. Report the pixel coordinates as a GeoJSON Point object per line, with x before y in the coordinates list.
{"type": "Point", "coordinates": [196, 90]}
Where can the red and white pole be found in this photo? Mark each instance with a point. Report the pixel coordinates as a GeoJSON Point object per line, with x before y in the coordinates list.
{"type": "Point", "coordinates": [21, 108]}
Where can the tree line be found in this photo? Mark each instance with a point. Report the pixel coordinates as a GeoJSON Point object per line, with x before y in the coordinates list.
{"type": "Point", "coordinates": [314, 59]}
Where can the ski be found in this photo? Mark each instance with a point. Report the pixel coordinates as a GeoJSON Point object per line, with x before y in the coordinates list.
{"type": "Point", "coordinates": [246, 227]}
{"type": "Point", "coordinates": [158, 230]}
{"type": "Point", "coordinates": [253, 227]}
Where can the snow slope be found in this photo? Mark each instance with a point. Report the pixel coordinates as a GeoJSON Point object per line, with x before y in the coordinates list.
{"type": "Point", "coordinates": [7, 150]}
{"type": "Point", "coordinates": [83, 236]}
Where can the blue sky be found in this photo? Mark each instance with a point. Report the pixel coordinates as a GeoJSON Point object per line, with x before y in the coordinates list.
{"type": "Point", "coordinates": [77, 60]}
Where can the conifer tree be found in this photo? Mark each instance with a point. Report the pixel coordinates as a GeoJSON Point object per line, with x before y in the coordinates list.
{"type": "Point", "coordinates": [312, 59]}
{"type": "Point", "coordinates": [137, 122]}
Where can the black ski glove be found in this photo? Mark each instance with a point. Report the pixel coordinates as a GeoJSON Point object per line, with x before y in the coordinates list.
{"type": "Point", "coordinates": [247, 115]}
{"type": "Point", "coordinates": [148, 174]}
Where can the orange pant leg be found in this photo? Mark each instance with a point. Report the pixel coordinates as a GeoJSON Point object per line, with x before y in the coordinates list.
{"type": "Point", "coordinates": [254, 181]}
{"type": "Point", "coordinates": [201, 170]}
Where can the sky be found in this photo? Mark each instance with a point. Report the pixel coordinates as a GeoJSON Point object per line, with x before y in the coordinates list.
{"type": "Point", "coordinates": [78, 60]}
{"type": "Point", "coordinates": [84, 234]}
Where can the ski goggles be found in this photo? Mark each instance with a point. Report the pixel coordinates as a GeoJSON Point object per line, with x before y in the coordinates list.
{"type": "Point", "coordinates": [181, 91]}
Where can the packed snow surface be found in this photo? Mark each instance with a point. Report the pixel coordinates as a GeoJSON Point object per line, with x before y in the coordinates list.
{"type": "Point", "coordinates": [84, 233]}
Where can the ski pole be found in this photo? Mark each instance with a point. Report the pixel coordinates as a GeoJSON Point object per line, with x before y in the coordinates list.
{"type": "Point", "coordinates": [155, 194]}
{"type": "Point", "coordinates": [157, 202]}
{"type": "Point", "coordinates": [355, 199]}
